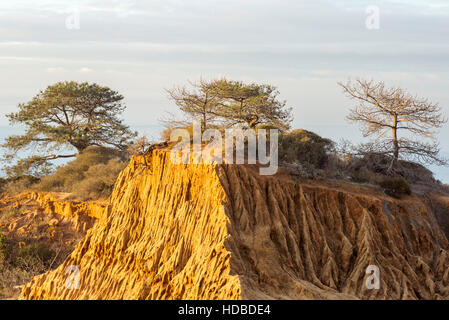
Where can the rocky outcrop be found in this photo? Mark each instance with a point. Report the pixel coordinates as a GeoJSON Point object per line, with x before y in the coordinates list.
{"type": "Point", "coordinates": [30, 209]}
{"type": "Point", "coordinates": [81, 214]}
{"type": "Point", "coordinates": [224, 232]}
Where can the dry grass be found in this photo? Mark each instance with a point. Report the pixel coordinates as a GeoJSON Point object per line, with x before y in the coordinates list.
{"type": "Point", "coordinates": [90, 176]}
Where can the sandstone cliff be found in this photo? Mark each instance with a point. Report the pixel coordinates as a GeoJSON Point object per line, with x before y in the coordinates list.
{"type": "Point", "coordinates": [32, 210]}
{"type": "Point", "coordinates": [224, 232]}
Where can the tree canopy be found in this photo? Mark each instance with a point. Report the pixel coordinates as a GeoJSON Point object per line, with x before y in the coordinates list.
{"type": "Point", "coordinates": [385, 112]}
{"type": "Point", "coordinates": [229, 103]}
{"type": "Point", "coordinates": [61, 122]}
{"type": "Point", "coordinates": [251, 104]}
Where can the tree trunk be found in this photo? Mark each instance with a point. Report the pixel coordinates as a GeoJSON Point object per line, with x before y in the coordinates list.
{"type": "Point", "coordinates": [395, 146]}
{"type": "Point", "coordinates": [204, 120]}
{"type": "Point", "coordinates": [80, 146]}
{"type": "Point", "coordinates": [253, 123]}
{"type": "Point", "coordinates": [203, 124]}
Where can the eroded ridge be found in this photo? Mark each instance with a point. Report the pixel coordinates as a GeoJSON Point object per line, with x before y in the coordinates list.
{"type": "Point", "coordinates": [224, 232]}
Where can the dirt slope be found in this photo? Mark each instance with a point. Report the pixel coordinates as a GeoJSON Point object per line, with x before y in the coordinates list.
{"type": "Point", "coordinates": [35, 225]}
{"type": "Point", "coordinates": [224, 232]}
{"type": "Point", "coordinates": [31, 215]}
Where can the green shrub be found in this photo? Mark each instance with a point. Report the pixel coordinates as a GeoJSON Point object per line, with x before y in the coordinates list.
{"type": "Point", "coordinates": [362, 175]}
{"type": "Point", "coordinates": [395, 186]}
{"type": "Point", "coordinates": [378, 165]}
{"type": "Point", "coordinates": [304, 147]}
{"type": "Point", "coordinates": [4, 249]}
{"type": "Point", "coordinates": [415, 173]}
{"type": "Point", "coordinates": [3, 183]}
{"type": "Point", "coordinates": [33, 255]}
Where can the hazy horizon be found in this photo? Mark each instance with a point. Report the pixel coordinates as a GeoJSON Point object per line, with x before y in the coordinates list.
{"type": "Point", "coordinates": [139, 48]}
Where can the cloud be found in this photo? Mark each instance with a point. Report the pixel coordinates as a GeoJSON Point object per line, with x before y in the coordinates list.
{"type": "Point", "coordinates": [85, 70]}
{"type": "Point", "coordinates": [62, 69]}
{"type": "Point", "coordinates": [223, 22]}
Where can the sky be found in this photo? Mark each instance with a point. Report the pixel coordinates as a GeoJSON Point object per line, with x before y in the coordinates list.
{"type": "Point", "coordinates": [140, 48]}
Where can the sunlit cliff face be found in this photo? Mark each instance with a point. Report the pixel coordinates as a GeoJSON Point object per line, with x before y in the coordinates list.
{"type": "Point", "coordinates": [193, 231]}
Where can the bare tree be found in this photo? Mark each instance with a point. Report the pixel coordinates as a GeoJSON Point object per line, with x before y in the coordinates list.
{"type": "Point", "coordinates": [200, 101]}
{"type": "Point", "coordinates": [384, 112]}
